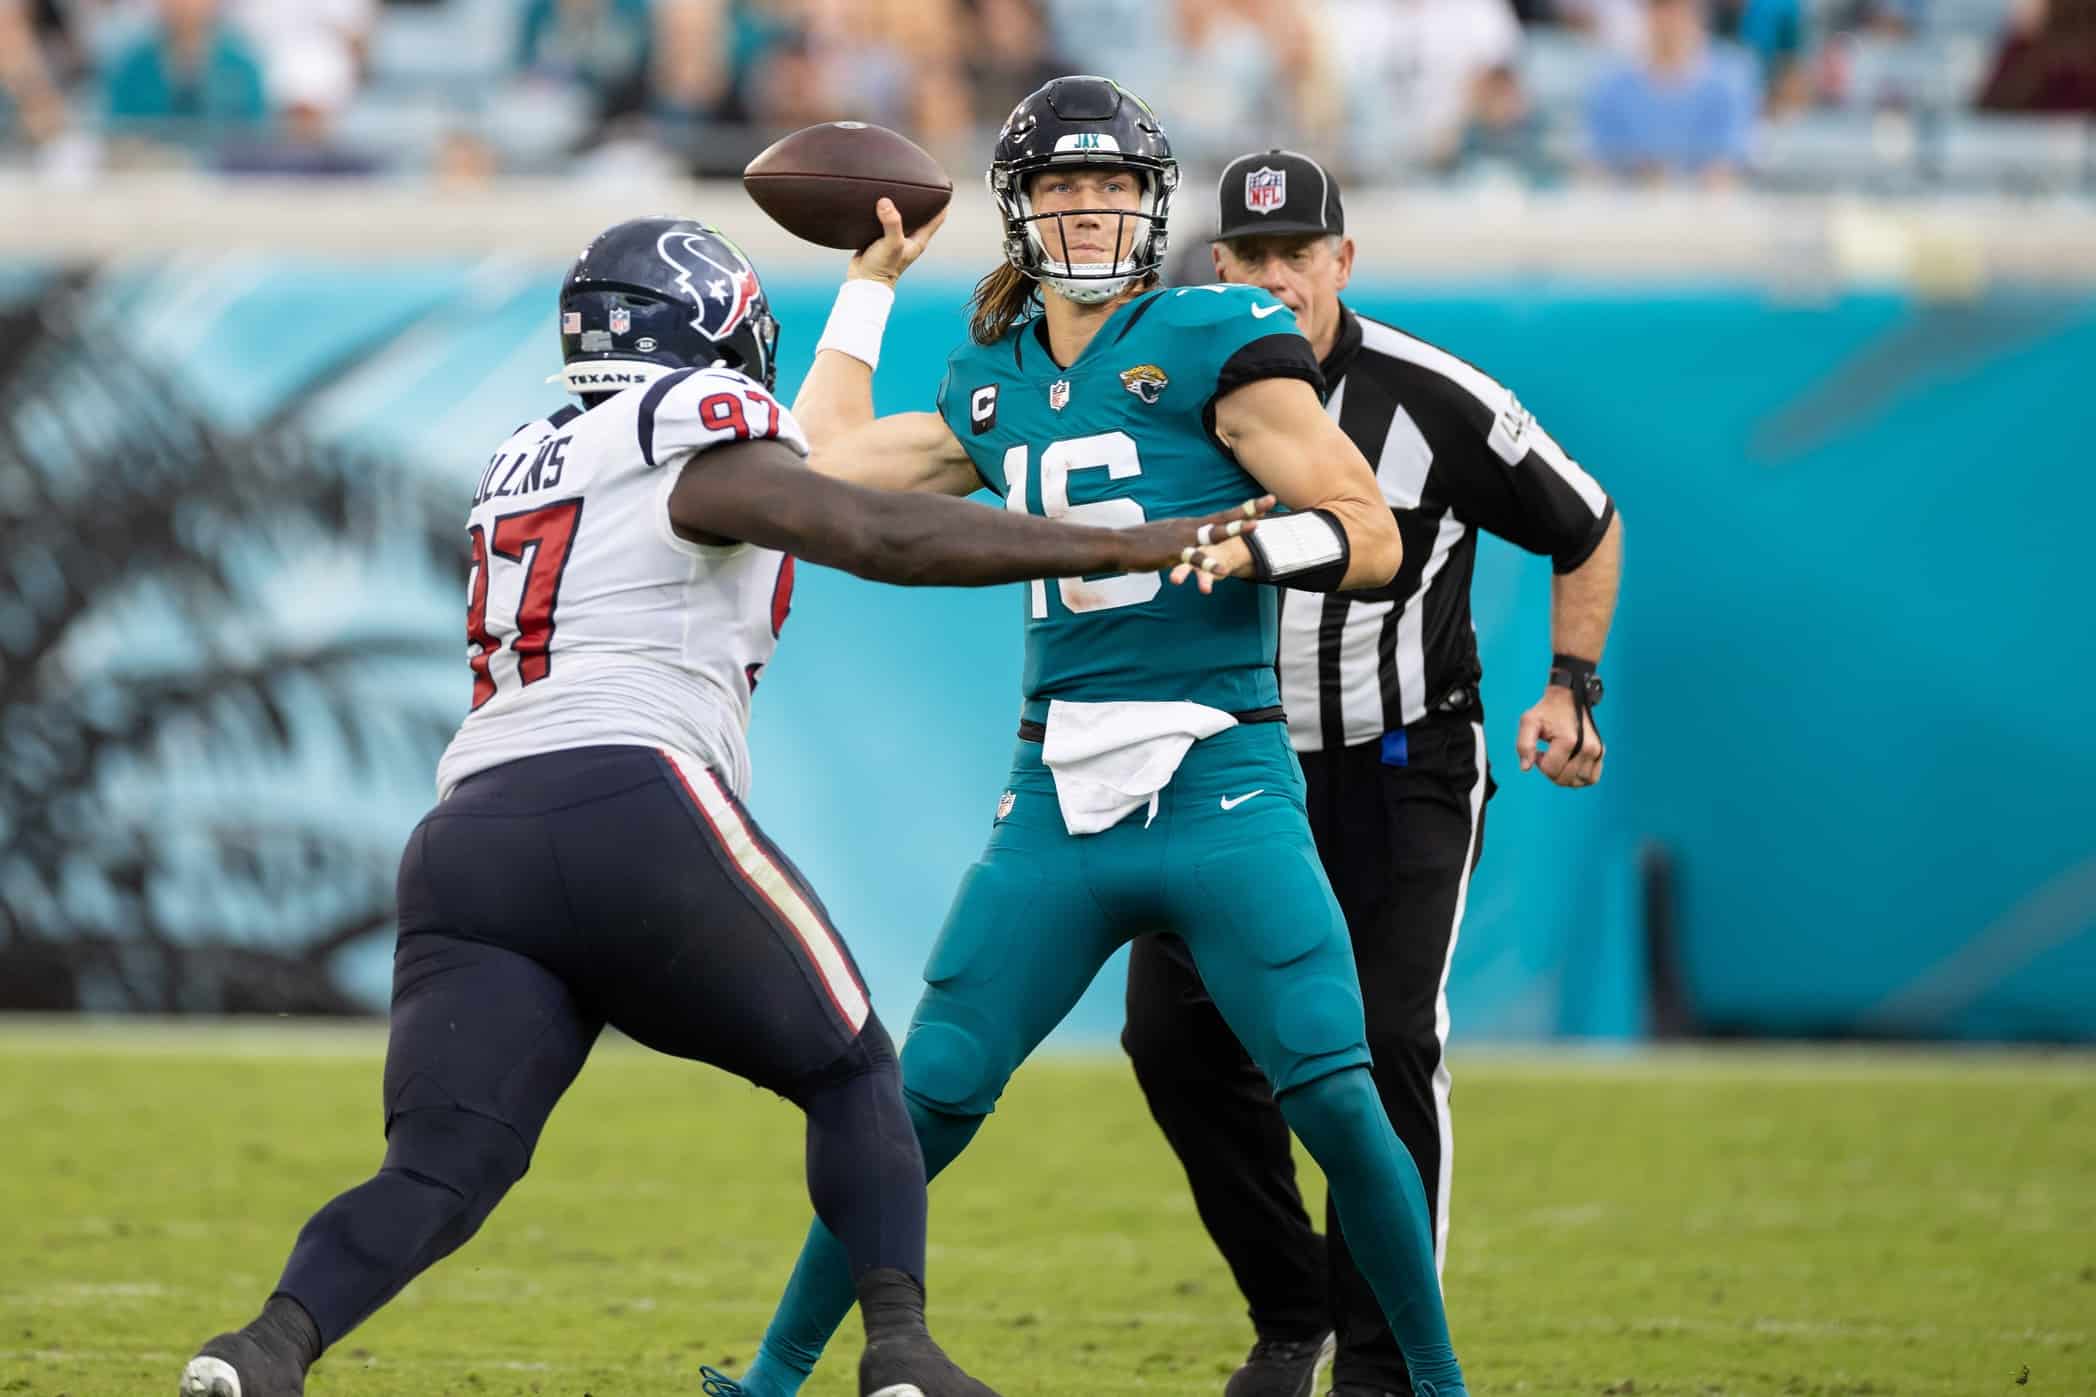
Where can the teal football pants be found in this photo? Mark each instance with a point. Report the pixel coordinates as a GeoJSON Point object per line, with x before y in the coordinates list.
{"type": "Point", "coordinates": [1227, 861]}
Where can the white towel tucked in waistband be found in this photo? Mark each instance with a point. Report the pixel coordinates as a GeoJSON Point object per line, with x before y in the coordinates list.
{"type": "Point", "coordinates": [1108, 759]}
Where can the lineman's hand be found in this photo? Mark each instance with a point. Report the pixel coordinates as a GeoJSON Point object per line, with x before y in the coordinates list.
{"type": "Point", "coordinates": [887, 259]}
{"type": "Point", "coordinates": [1548, 734]}
{"type": "Point", "coordinates": [1195, 547]}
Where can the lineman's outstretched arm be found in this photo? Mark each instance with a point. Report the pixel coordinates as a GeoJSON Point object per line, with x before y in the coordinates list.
{"type": "Point", "coordinates": [759, 491]}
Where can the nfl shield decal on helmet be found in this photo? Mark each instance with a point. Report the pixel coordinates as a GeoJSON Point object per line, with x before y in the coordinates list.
{"type": "Point", "coordinates": [1146, 381]}
{"type": "Point", "coordinates": [1005, 803]}
{"type": "Point", "coordinates": [1266, 189]}
{"type": "Point", "coordinates": [621, 320]}
{"type": "Point", "coordinates": [1059, 394]}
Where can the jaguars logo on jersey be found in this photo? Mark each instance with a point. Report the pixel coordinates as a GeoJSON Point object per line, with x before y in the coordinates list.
{"type": "Point", "coordinates": [1146, 381]}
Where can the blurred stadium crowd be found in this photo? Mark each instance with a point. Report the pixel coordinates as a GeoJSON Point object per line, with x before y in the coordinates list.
{"type": "Point", "coordinates": [1887, 95]}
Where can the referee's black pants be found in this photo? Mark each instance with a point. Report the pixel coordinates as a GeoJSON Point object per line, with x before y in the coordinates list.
{"type": "Point", "coordinates": [1399, 825]}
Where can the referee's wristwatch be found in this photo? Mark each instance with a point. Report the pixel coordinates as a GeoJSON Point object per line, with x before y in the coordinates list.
{"type": "Point", "coordinates": [1571, 672]}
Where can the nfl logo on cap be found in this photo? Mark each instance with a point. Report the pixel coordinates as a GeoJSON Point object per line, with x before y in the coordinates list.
{"type": "Point", "coordinates": [1266, 189]}
{"type": "Point", "coordinates": [621, 320]}
{"type": "Point", "coordinates": [1269, 192]}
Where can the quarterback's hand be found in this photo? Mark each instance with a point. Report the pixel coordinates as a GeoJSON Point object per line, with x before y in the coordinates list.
{"type": "Point", "coordinates": [1556, 723]}
{"type": "Point", "coordinates": [1183, 544]}
{"type": "Point", "coordinates": [887, 259]}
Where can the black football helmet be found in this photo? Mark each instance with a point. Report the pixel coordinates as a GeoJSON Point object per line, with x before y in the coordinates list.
{"type": "Point", "coordinates": [1083, 121]}
{"type": "Point", "coordinates": [656, 294]}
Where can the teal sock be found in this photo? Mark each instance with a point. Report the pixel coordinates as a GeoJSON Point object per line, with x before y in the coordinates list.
{"type": "Point", "coordinates": [820, 1292]}
{"type": "Point", "coordinates": [1382, 1205]}
{"type": "Point", "coordinates": [808, 1313]}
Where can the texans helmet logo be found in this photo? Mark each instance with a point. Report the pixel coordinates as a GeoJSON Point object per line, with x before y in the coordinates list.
{"type": "Point", "coordinates": [724, 293]}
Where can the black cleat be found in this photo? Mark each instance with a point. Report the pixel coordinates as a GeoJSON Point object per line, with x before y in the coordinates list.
{"type": "Point", "coordinates": [237, 1365]}
{"type": "Point", "coordinates": [911, 1365]}
{"type": "Point", "coordinates": [1281, 1368]}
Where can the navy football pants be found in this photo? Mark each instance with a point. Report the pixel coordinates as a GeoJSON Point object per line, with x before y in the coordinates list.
{"type": "Point", "coordinates": [547, 898]}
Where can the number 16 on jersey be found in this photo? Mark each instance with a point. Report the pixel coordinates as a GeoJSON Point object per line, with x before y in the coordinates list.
{"type": "Point", "coordinates": [1114, 453]}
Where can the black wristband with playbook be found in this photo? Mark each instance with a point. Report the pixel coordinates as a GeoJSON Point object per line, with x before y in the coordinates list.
{"type": "Point", "coordinates": [1324, 577]}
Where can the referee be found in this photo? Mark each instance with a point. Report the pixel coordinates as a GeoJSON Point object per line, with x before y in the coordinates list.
{"type": "Point", "coordinates": [1381, 689]}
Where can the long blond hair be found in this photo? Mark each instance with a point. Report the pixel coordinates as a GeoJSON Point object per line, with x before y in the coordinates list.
{"type": "Point", "coordinates": [1007, 296]}
{"type": "Point", "coordinates": [1002, 299]}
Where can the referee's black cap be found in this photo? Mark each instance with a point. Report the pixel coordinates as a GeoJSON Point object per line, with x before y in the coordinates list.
{"type": "Point", "coordinates": [1277, 191]}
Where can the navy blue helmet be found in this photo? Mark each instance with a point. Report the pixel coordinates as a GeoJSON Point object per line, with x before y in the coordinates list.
{"type": "Point", "coordinates": [1083, 120]}
{"type": "Point", "coordinates": [655, 294]}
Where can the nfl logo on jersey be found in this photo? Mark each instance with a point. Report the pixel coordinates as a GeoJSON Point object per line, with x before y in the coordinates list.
{"type": "Point", "coordinates": [1266, 189]}
{"type": "Point", "coordinates": [1059, 395]}
{"type": "Point", "coordinates": [621, 320]}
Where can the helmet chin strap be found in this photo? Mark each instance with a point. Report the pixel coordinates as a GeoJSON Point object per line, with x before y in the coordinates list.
{"type": "Point", "coordinates": [1096, 286]}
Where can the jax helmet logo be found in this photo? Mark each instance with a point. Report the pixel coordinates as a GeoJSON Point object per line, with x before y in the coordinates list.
{"type": "Point", "coordinates": [724, 292]}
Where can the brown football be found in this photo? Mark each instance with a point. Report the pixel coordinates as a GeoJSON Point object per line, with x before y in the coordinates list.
{"type": "Point", "coordinates": [821, 182]}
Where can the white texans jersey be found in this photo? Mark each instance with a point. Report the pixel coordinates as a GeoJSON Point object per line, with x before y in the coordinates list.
{"type": "Point", "coordinates": [589, 620]}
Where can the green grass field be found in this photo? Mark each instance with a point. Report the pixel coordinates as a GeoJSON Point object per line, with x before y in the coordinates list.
{"type": "Point", "coordinates": [1783, 1222]}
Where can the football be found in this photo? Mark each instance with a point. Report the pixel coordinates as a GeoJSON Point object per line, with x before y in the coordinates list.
{"type": "Point", "coordinates": [821, 182]}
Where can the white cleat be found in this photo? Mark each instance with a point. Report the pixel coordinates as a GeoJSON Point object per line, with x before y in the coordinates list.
{"type": "Point", "coordinates": [210, 1377]}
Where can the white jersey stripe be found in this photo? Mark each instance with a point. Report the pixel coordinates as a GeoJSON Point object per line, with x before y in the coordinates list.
{"type": "Point", "coordinates": [824, 950]}
{"type": "Point", "coordinates": [1411, 626]}
{"type": "Point", "coordinates": [1552, 455]}
{"type": "Point", "coordinates": [1443, 1185]}
{"type": "Point", "coordinates": [1360, 668]}
{"type": "Point", "coordinates": [1402, 465]}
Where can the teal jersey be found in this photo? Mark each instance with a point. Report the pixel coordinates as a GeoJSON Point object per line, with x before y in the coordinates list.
{"type": "Point", "coordinates": [1123, 435]}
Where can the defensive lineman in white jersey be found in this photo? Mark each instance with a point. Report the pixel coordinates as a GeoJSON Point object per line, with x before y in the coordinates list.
{"type": "Point", "coordinates": [589, 861]}
{"type": "Point", "coordinates": [660, 640]}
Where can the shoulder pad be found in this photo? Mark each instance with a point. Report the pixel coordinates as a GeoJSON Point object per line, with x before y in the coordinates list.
{"type": "Point", "coordinates": [693, 409]}
{"type": "Point", "coordinates": [1220, 303]}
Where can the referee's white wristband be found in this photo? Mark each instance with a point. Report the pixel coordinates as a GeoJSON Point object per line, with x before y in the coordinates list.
{"type": "Point", "coordinates": [857, 321]}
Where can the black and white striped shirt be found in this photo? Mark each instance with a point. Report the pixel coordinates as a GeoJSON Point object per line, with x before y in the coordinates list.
{"type": "Point", "coordinates": [1454, 453]}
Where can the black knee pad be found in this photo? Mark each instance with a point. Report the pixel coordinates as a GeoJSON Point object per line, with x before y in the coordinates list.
{"type": "Point", "coordinates": [872, 1052]}
{"type": "Point", "coordinates": [473, 1156]}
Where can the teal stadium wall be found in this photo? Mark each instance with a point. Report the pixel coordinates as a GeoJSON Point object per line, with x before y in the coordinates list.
{"type": "Point", "coordinates": [1849, 683]}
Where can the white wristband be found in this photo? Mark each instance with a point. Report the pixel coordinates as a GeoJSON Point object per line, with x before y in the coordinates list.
{"type": "Point", "coordinates": [857, 320]}
{"type": "Point", "coordinates": [1296, 543]}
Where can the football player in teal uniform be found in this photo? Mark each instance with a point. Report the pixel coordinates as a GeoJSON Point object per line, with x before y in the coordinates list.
{"type": "Point", "coordinates": [1153, 786]}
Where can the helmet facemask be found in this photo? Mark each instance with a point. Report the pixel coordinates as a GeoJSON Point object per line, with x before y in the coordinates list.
{"type": "Point", "coordinates": [1087, 283]}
